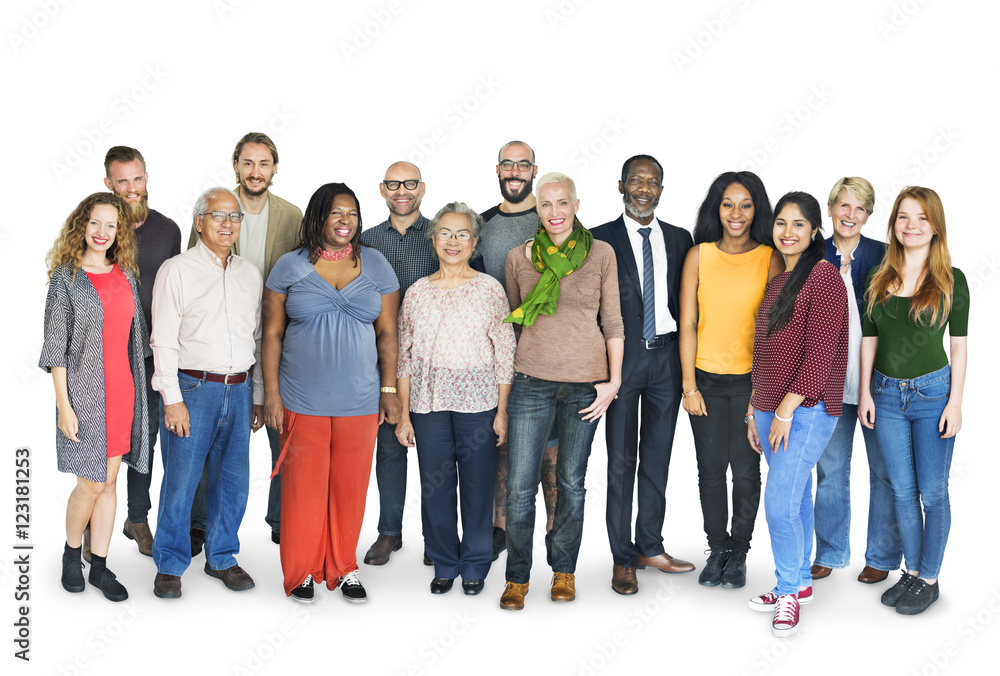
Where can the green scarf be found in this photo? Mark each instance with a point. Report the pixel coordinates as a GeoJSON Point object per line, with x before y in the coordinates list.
{"type": "Point", "coordinates": [554, 263]}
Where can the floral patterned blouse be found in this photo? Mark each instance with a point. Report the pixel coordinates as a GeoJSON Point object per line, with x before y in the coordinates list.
{"type": "Point", "coordinates": [454, 346]}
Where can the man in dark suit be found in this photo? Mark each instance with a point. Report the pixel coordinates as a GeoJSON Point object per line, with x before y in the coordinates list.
{"type": "Point", "coordinates": [650, 256]}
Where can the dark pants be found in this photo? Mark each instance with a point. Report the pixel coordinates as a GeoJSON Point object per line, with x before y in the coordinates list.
{"type": "Point", "coordinates": [457, 453]}
{"type": "Point", "coordinates": [646, 443]}
{"type": "Point", "coordinates": [138, 483]}
{"type": "Point", "coordinates": [720, 442]}
{"type": "Point", "coordinates": [390, 473]}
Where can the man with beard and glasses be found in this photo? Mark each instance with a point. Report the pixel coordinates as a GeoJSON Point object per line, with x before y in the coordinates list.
{"type": "Point", "coordinates": [402, 239]}
{"type": "Point", "coordinates": [650, 255]}
{"type": "Point", "coordinates": [157, 238]}
{"type": "Point", "coordinates": [510, 224]}
{"type": "Point", "coordinates": [270, 229]}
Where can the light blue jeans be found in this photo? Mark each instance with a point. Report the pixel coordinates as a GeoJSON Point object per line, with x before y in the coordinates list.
{"type": "Point", "coordinates": [788, 503]}
{"type": "Point", "coordinates": [907, 413]}
{"type": "Point", "coordinates": [833, 501]}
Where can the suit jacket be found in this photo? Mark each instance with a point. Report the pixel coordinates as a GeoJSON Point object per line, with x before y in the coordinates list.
{"type": "Point", "coordinates": [284, 222]}
{"type": "Point", "coordinates": [678, 241]}
{"type": "Point", "coordinates": [868, 255]}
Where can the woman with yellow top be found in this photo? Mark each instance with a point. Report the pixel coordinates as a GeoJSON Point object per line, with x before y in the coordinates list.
{"type": "Point", "coordinates": [722, 286]}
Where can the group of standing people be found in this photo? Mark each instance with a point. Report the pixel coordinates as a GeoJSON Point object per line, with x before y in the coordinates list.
{"type": "Point", "coordinates": [410, 333]}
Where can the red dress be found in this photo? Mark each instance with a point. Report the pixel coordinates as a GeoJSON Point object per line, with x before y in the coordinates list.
{"type": "Point", "coordinates": [118, 304]}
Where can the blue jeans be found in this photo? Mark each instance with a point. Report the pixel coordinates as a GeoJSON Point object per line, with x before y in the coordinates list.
{"type": "Point", "coordinates": [220, 443]}
{"type": "Point", "coordinates": [833, 501]}
{"type": "Point", "coordinates": [533, 407]}
{"type": "Point", "coordinates": [788, 503]}
{"type": "Point", "coordinates": [457, 453]}
{"type": "Point", "coordinates": [390, 473]}
{"type": "Point", "coordinates": [907, 413]}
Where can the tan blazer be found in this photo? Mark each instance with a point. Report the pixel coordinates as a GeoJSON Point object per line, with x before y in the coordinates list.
{"type": "Point", "coordinates": [284, 221]}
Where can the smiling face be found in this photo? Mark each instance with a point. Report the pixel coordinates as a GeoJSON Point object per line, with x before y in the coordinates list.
{"type": "Point", "coordinates": [128, 181]}
{"type": "Point", "coordinates": [402, 202]}
{"type": "Point", "coordinates": [219, 237]}
{"type": "Point", "coordinates": [912, 228]}
{"type": "Point", "coordinates": [102, 227]}
{"type": "Point", "coordinates": [792, 234]}
{"type": "Point", "coordinates": [341, 224]}
{"type": "Point", "coordinates": [848, 215]}
{"type": "Point", "coordinates": [255, 167]}
{"type": "Point", "coordinates": [453, 251]}
{"type": "Point", "coordinates": [557, 211]}
{"type": "Point", "coordinates": [641, 190]}
{"type": "Point", "coordinates": [736, 211]}
{"type": "Point", "coordinates": [516, 184]}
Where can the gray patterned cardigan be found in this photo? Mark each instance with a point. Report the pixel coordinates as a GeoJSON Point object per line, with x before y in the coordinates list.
{"type": "Point", "coordinates": [74, 320]}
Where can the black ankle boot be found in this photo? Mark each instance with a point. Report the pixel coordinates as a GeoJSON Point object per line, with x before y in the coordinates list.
{"type": "Point", "coordinates": [72, 570]}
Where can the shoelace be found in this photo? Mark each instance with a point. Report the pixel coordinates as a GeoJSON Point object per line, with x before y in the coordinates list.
{"type": "Point", "coordinates": [308, 581]}
{"type": "Point", "coordinates": [350, 579]}
{"type": "Point", "coordinates": [918, 587]}
{"type": "Point", "coordinates": [786, 611]}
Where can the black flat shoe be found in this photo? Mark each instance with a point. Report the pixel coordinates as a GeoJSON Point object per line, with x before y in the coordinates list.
{"type": "Point", "coordinates": [72, 574]}
{"type": "Point", "coordinates": [441, 585]}
{"type": "Point", "coordinates": [472, 587]}
{"type": "Point", "coordinates": [106, 581]}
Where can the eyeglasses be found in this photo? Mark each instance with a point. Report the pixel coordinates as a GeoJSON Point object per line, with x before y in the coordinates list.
{"type": "Point", "coordinates": [461, 235]}
{"type": "Point", "coordinates": [221, 216]}
{"type": "Point", "coordinates": [409, 185]}
{"type": "Point", "coordinates": [523, 165]}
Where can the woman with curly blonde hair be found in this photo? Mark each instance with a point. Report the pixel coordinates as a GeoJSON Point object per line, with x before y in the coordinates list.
{"type": "Point", "coordinates": [95, 343]}
{"type": "Point", "coordinates": [910, 393]}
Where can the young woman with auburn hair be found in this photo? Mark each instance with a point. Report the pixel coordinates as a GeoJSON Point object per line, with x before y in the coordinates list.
{"type": "Point", "coordinates": [913, 397]}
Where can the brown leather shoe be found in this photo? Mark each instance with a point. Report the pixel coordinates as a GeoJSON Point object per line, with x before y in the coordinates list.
{"type": "Point", "coordinates": [384, 545]}
{"type": "Point", "coordinates": [86, 544]}
{"type": "Point", "coordinates": [513, 596]}
{"type": "Point", "coordinates": [563, 587]}
{"type": "Point", "coordinates": [167, 586]}
{"type": "Point", "coordinates": [818, 572]}
{"type": "Point", "coordinates": [665, 563]}
{"type": "Point", "coordinates": [872, 575]}
{"type": "Point", "coordinates": [623, 580]}
{"type": "Point", "coordinates": [427, 559]}
{"type": "Point", "coordinates": [234, 577]}
{"type": "Point", "coordinates": [141, 534]}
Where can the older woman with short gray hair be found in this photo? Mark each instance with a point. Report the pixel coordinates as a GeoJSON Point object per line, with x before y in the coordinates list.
{"type": "Point", "coordinates": [456, 365]}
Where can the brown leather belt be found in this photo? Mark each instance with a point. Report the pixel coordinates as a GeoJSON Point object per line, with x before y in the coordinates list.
{"type": "Point", "coordinates": [225, 378]}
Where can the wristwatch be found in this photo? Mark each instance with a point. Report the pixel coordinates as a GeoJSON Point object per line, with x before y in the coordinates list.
{"type": "Point", "coordinates": [748, 418]}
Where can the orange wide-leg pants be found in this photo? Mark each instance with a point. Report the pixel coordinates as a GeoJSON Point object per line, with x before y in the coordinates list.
{"type": "Point", "coordinates": [325, 466]}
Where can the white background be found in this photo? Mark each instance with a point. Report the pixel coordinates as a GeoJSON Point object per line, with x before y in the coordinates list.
{"type": "Point", "coordinates": [901, 92]}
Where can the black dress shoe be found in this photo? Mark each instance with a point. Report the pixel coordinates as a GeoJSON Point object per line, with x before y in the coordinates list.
{"type": "Point", "coordinates": [197, 541]}
{"type": "Point", "coordinates": [441, 585]}
{"type": "Point", "coordinates": [72, 573]}
{"type": "Point", "coordinates": [734, 575]}
{"type": "Point", "coordinates": [711, 574]}
{"type": "Point", "coordinates": [276, 537]}
{"type": "Point", "coordinates": [106, 581]}
{"type": "Point", "coordinates": [472, 587]}
{"type": "Point", "coordinates": [499, 541]}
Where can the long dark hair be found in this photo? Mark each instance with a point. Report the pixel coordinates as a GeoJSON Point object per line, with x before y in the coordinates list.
{"type": "Point", "coordinates": [314, 220]}
{"type": "Point", "coordinates": [784, 304]}
{"type": "Point", "coordinates": [708, 227]}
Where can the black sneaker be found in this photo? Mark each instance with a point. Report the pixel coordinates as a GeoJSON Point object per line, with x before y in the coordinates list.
{"type": "Point", "coordinates": [72, 573]}
{"type": "Point", "coordinates": [918, 597]}
{"type": "Point", "coordinates": [106, 581]}
{"type": "Point", "coordinates": [304, 592]}
{"type": "Point", "coordinates": [352, 589]}
{"type": "Point", "coordinates": [499, 541]}
{"type": "Point", "coordinates": [734, 575]}
{"type": "Point", "coordinates": [892, 595]}
{"type": "Point", "coordinates": [711, 574]}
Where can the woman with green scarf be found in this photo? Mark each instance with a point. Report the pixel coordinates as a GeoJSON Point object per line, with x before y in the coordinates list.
{"type": "Point", "coordinates": [568, 370]}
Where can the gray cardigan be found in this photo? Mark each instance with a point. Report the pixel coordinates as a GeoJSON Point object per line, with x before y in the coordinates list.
{"type": "Point", "coordinates": [74, 320]}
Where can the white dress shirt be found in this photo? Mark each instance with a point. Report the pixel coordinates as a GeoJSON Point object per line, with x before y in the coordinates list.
{"type": "Point", "coordinates": [664, 321]}
{"type": "Point", "coordinates": [206, 318]}
{"type": "Point", "coordinates": [852, 381]}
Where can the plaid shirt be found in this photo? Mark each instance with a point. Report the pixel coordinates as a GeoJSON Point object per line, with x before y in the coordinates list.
{"type": "Point", "coordinates": [410, 254]}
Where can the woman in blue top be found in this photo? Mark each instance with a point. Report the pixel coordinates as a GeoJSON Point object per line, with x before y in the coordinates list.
{"type": "Point", "coordinates": [329, 360]}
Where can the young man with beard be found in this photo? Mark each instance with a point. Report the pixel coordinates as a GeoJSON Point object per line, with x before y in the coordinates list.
{"type": "Point", "coordinates": [269, 230]}
{"type": "Point", "coordinates": [650, 255]}
{"type": "Point", "coordinates": [402, 239]}
{"type": "Point", "coordinates": [157, 238]}
{"type": "Point", "coordinates": [510, 224]}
